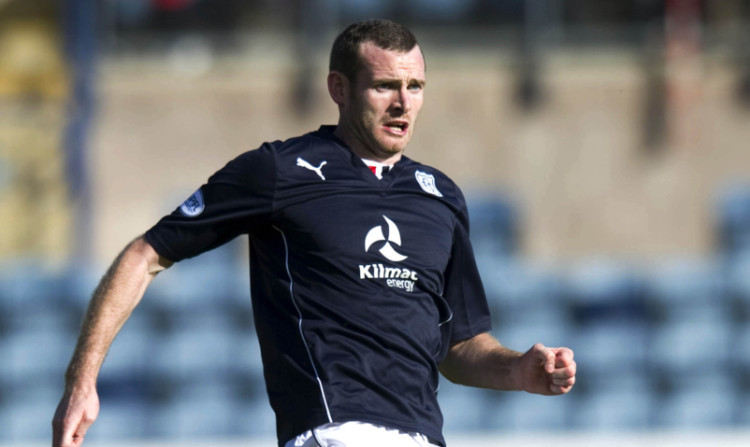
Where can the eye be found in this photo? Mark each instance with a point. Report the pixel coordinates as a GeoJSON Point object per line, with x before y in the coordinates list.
{"type": "Point", "coordinates": [382, 86]}
{"type": "Point", "coordinates": [415, 87]}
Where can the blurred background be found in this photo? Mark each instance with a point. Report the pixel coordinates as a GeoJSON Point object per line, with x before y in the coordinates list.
{"type": "Point", "coordinates": [603, 148]}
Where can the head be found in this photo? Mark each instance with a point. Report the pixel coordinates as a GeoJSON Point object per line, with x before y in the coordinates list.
{"type": "Point", "coordinates": [377, 78]}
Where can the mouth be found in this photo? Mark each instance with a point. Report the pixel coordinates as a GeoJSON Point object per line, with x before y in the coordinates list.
{"type": "Point", "coordinates": [397, 127]}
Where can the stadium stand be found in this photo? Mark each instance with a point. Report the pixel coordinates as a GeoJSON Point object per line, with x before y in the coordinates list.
{"type": "Point", "coordinates": [667, 344]}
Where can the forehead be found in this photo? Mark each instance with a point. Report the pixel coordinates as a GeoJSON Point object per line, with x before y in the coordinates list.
{"type": "Point", "coordinates": [378, 62]}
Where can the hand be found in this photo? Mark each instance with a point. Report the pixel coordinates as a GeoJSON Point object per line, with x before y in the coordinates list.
{"type": "Point", "coordinates": [548, 371]}
{"type": "Point", "coordinates": [75, 413]}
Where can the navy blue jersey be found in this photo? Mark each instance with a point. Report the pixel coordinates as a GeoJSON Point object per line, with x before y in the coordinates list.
{"type": "Point", "coordinates": [359, 285]}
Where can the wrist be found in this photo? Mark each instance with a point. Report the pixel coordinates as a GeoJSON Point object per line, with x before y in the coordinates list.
{"type": "Point", "coordinates": [80, 387]}
{"type": "Point", "coordinates": [515, 376]}
{"type": "Point", "coordinates": [75, 381]}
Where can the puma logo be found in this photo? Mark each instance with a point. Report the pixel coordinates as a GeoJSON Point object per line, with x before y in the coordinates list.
{"type": "Point", "coordinates": [306, 165]}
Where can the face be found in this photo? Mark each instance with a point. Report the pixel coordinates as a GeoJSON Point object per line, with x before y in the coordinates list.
{"type": "Point", "coordinates": [379, 108]}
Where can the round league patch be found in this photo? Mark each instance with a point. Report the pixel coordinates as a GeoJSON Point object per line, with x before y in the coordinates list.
{"type": "Point", "coordinates": [194, 205]}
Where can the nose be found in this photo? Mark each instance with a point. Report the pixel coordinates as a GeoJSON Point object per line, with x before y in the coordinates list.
{"type": "Point", "coordinates": [403, 100]}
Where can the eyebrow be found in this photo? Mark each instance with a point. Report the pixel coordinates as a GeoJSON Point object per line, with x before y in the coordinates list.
{"type": "Point", "coordinates": [394, 81]}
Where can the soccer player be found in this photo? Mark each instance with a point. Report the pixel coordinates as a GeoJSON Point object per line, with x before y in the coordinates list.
{"type": "Point", "coordinates": [363, 279]}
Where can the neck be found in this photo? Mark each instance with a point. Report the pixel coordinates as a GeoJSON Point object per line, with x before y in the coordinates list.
{"type": "Point", "coordinates": [361, 150]}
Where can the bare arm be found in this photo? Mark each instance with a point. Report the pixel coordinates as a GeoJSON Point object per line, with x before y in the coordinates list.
{"type": "Point", "coordinates": [483, 362]}
{"type": "Point", "coordinates": [117, 294]}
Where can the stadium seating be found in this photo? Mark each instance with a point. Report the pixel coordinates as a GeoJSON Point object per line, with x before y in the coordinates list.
{"type": "Point", "coordinates": [691, 322]}
{"type": "Point", "coordinates": [704, 403]}
{"type": "Point", "coordinates": [461, 406]}
{"type": "Point", "coordinates": [27, 408]}
{"type": "Point", "coordinates": [200, 409]}
{"type": "Point", "coordinates": [124, 418]}
{"type": "Point", "coordinates": [622, 401]}
{"type": "Point", "coordinates": [663, 345]}
{"type": "Point", "coordinates": [495, 226]}
{"type": "Point", "coordinates": [526, 413]}
{"type": "Point", "coordinates": [733, 220]}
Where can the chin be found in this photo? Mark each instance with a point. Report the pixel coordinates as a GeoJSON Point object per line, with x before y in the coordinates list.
{"type": "Point", "coordinates": [394, 147]}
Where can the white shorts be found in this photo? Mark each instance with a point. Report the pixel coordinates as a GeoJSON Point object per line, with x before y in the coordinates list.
{"type": "Point", "coordinates": [358, 434]}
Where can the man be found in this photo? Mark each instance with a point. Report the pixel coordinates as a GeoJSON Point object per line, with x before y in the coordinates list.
{"type": "Point", "coordinates": [364, 283]}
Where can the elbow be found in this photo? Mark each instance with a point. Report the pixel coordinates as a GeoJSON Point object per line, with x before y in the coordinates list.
{"type": "Point", "coordinates": [141, 255]}
{"type": "Point", "coordinates": [450, 376]}
{"type": "Point", "coordinates": [450, 370]}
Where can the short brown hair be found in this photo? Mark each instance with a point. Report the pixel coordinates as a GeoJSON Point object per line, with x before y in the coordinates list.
{"type": "Point", "coordinates": [383, 33]}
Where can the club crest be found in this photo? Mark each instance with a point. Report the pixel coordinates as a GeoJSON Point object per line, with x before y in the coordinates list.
{"type": "Point", "coordinates": [427, 182]}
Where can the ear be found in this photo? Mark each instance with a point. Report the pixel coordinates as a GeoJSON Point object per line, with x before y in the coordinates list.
{"type": "Point", "coordinates": [338, 88]}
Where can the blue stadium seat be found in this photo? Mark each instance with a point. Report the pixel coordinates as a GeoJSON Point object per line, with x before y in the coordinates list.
{"type": "Point", "coordinates": [738, 287]}
{"type": "Point", "coordinates": [607, 300]}
{"type": "Point", "coordinates": [27, 408]}
{"type": "Point", "coordinates": [35, 354]}
{"type": "Point", "coordinates": [461, 406]}
{"type": "Point", "coordinates": [133, 351]}
{"type": "Point", "coordinates": [254, 414]}
{"type": "Point", "coordinates": [495, 225]}
{"type": "Point", "coordinates": [733, 220]}
{"type": "Point", "coordinates": [740, 354]}
{"type": "Point", "coordinates": [607, 305]}
{"type": "Point", "coordinates": [742, 409]}
{"type": "Point", "coordinates": [608, 346]}
{"type": "Point", "coordinates": [520, 293]}
{"type": "Point", "coordinates": [688, 290]}
{"type": "Point", "coordinates": [120, 420]}
{"type": "Point", "coordinates": [203, 350]}
{"type": "Point", "coordinates": [254, 418]}
{"type": "Point", "coordinates": [80, 282]}
{"type": "Point", "coordinates": [202, 291]}
{"type": "Point", "coordinates": [705, 403]}
{"type": "Point", "coordinates": [33, 297]}
{"type": "Point", "coordinates": [621, 401]}
{"type": "Point", "coordinates": [602, 290]}
{"type": "Point", "coordinates": [247, 362]}
{"type": "Point", "coordinates": [201, 409]}
{"type": "Point", "coordinates": [522, 336]}
{"type": "Point", "coordinates": [682, 352]}
{"type": "Point", "coordinates": [524, 412]}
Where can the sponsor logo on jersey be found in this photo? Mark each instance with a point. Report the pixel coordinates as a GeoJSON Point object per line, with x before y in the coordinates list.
{"type": "Point", "coordinates": [376, 235]}
{"type": "Point", "coordinates": [319, 170]}
{"type": "Point", "coordinates": [398, 277]}
{"type": "Point", "coordinates": [194, 205]}
{"type": "Point", "coordinates": [427, 182]}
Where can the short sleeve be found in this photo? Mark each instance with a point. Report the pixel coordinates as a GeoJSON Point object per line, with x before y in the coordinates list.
{"type": "Point", "coordinates": [463, 287]}
{"type": "Point", "coordinates": [235, 199]}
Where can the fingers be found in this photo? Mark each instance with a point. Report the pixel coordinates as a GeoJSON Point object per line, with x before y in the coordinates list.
{"type": "Point", "coordinates": [563, 356]}
{"type": "Point", "coordinates": [63, 432]}
{"type": "Point", "coordinates": [60, 425]}
{"type": "Point", "coordinates": [71, 433]}
{"type": "Point", "coordinates": [563, 376]}
{"type": "Point", "coordinates": [555, 389]}
{"type": "Point", "coordinates": [80, 432]}
{"type": "Point", "coordinates": [546, 357]}
{"type": "Point", "coordinates": [564, 381]}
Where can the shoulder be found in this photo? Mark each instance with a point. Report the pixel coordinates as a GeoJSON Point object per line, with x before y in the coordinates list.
{"type": "Point", "coordinates": [265, 159]}
{"type": "Point", "coordinates": [319, 142]}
